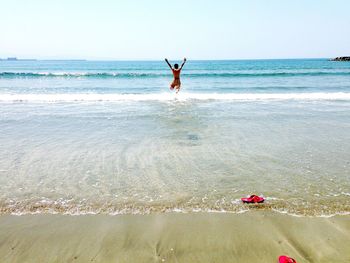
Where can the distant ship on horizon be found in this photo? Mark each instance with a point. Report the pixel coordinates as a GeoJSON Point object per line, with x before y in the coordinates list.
{"type": "Point", "coordinates": [33, 59]}
{"type": "Point", "coordinates": [15, 59]}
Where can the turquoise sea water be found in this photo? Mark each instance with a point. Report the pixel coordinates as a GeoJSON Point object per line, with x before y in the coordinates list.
{"type": "Point", "coordinates": [82, 137]}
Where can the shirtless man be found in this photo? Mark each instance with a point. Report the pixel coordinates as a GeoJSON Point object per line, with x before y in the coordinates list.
{"type": "Point", "coordinates": [176, 72]}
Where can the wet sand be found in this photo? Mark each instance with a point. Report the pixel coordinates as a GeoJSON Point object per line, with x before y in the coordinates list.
{"type": "Point", "coordinates": [257, 236]}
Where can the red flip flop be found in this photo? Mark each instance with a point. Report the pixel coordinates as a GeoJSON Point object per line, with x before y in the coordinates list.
{"type": "Point", "coordinates": [286, 259]}
{"type": "Point", "coordinates": [253, 199]}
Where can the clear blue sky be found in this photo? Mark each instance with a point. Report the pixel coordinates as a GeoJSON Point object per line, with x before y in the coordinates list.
{"type": "Point", "coordinates": [197, 29]}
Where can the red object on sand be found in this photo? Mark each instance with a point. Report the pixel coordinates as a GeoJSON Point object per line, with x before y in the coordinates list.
{"type": "Point", "coordinates": [253, 199]}
{"type": "Point", "coordinates": [286, 259]}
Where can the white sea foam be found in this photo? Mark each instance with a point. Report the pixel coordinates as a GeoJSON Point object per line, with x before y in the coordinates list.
{"type": "Point", "coordinates": [286, 212]}
{"type": "Point", "coordinates": [174, 210]}
{"type": "Point", "coordinates": [93, 97]}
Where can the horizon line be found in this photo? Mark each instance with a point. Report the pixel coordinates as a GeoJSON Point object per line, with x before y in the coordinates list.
{"type": "Point", "coordinates": [140, 60]}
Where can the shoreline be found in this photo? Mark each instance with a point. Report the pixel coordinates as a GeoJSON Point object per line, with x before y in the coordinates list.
{"type": "Point", "coordinates": [252, 208]}
{"type": "Point", "coordinates": [255, 236]}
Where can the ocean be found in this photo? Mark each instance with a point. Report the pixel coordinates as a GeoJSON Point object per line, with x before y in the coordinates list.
{"type": "Point", "coordinates": [109, 137]}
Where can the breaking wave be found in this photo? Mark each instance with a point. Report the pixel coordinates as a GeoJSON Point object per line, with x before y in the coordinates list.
{"type": "Point", "coordinates": [95, 97]}
{"type": "Point", "coordinates": [164, 74]}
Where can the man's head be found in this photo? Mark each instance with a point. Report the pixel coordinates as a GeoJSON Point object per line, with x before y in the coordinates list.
{"type": "Point", "coordinates": [176, 66]}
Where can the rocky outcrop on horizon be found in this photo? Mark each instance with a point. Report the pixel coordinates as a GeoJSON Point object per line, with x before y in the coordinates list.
{"type": "Point", "coordinates": [341, 59]}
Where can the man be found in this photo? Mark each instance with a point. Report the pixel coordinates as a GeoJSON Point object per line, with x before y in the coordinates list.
{"type": "Point", "coordinates": [176, 84]}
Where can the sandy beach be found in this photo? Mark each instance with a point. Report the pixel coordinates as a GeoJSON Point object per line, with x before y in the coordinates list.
{"type": "Point", "coordinates": [174, 237]}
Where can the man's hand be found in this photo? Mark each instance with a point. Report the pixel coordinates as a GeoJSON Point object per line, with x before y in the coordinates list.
{"type": "Point", "coordinates": [166, 60]}
{"type": "Point", "coordinates": [185, 59]}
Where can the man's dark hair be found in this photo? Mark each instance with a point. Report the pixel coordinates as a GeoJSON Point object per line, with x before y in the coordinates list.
{"type": "Point", "coordinates": [176, 66]}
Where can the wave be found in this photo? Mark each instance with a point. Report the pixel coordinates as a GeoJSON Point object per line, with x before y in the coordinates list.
{"type": "Point", "coordinates": [161, 74]}
{"type": "Point", "coordinates": [94, 97]}
{"type": "Point", "coordinates": [77, 74]}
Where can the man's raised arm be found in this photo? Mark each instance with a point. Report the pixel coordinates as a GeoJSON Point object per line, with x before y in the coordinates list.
{"type": "Point", "coordinates": [166, 60]}
{"type": "Point", "coordinates": [183, 63]}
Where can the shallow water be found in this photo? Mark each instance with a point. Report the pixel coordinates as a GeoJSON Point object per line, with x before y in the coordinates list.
{"type": "Point", "coordinates": [76, 142]}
